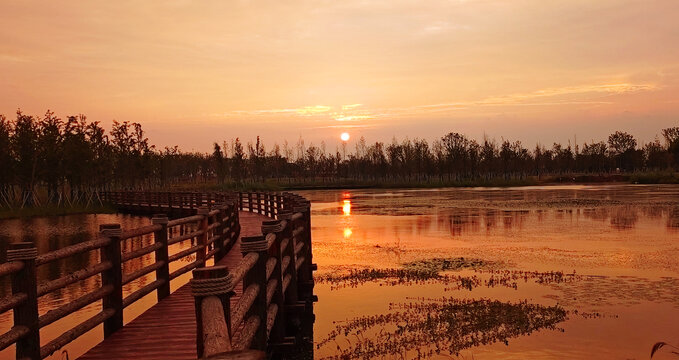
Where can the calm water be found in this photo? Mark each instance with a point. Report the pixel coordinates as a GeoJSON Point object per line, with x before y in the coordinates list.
{"type": "Point", "coordinates": [617, 247]}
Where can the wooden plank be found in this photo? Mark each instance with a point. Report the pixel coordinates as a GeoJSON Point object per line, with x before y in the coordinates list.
{"type": "Point", "coordinates": [151, 336]}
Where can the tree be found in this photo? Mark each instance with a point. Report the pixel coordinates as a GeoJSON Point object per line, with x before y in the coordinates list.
{"type": "Point", "coordinates": [6, 161]}
{"type": "Point", "coordinates": [25, 148]}
{"type": "Point", "coordinates": [621, 146]}
{"type": "Point", "coordinates": [671, 136]}
{"type": "Point", "coordinates": [51, 153]}
{"type": "Point", "coordinates": [238, 161]}
{"type": "Point", "coordinates": [220, 166]}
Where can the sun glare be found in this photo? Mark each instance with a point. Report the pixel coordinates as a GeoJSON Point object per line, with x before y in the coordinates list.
{"type": "Point", "coordinates": [346, 208]}
{"type": "Point", "coordinates": [344, 136]}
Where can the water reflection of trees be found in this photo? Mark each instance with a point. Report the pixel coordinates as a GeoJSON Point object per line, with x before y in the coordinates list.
{"type": "Point", "coordinates": [458, 222]}
{"type": "Point", "coordinates": [673, 218]}
{"type": "Point", "coordinates": [429, 327]}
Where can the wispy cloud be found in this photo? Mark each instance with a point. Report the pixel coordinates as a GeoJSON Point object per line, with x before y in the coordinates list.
{"type": "Point", "coordinates": [351, 115]}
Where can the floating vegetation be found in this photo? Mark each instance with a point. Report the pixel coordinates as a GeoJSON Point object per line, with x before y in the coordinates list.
{"type": "Point", "coordinates": [434, 326]}
{"type": "Point", "coordinates": [435, 271]}
{"type": "Point", "coordinates": [448, 264]}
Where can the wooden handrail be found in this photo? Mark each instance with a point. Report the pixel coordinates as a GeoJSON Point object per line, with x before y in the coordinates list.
{"type": "Point", "coordinates": [271, 285]}
{"type": "Point", "coordinates": [211, 218]}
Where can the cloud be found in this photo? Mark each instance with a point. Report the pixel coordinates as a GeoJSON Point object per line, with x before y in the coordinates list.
{"type": "Point", "coordinates": [441, 27]}
{"type": "Point", "coordinates": [351, 115]}
{"type": "Point", "coordinates": [313, 110]}
{"type": "Point", "coordinates": [342, 117]}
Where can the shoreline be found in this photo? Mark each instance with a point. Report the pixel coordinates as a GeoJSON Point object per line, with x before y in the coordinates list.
{"type": "Point", "coordinates": [607, 180]}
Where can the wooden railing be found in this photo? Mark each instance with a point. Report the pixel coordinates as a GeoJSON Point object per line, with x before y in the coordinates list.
{"type": "Point", "coordinates": [213, 229]}
{"type": "Point", "coordinates": [276, 277]}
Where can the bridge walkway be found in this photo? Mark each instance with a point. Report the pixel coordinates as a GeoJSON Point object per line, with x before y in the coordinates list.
{"type": "Point", "coordinates": [167, 331]}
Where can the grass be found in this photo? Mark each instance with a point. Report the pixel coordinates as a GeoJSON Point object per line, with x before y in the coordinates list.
{"type": "Point", "coordinates": [655, 178]}
{"type": "Point", "coordinates": [438, 271]}
{"type": "Point", "coordinates": [53, 210]}
{"type": "Point", "coordinates": [274, 185]}
{"type": "Point", "coordinates": [666, 177]}
{"type": "Point", "coordinates": [434, 327]}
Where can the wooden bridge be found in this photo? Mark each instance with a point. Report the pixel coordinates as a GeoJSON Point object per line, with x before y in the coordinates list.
{"type": "Point", "coordinates": [256, 301]}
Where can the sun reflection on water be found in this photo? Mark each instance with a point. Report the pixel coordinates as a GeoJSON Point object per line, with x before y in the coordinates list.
{"type": "Point", "coordinates": [346, 208]}
{"type": "Point", "coordinates": [347, 233]}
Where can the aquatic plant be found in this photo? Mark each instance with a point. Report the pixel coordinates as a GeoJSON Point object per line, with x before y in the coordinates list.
{"type": "Point", "coordinates": [433, 326]}
{"type": "Point", "coordinates": [657, 346]}
{"type": "Point", "coordinates": [437, 270]}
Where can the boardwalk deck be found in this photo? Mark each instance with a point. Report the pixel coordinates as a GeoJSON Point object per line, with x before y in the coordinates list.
{"type": "Point", "coordinates": [168, 329]}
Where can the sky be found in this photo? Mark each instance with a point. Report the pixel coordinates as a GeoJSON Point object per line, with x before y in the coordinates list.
{"type": "Point", "coordinates": [196, 72]}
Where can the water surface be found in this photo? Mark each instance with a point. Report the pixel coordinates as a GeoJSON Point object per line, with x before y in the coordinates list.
{"type": "Point", "coordinates": [615, 248]}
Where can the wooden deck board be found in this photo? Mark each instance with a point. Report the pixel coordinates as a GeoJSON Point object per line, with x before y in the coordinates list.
{"type": "Point", "coordinates": [168, 329]}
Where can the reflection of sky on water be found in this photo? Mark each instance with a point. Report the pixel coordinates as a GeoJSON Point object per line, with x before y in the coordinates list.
{"type": "Point", "coordinates": [625, 237]}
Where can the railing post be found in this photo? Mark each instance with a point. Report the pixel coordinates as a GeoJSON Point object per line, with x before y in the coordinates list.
{"type": "Point", "coordinates": [169, 202]}
{"type": "Point", "coordinates": [202, 239]}
{"type": "Point", "coordinates": [219, 231]}
{"type": "Point", "coordinates": [250, 201]}
{"type": "Point", "coordinates": [257, 275]}
{"type": "Point", "coordinates": [278, 331]}
{"type": "Point", "coordinates": [113, 277]}
{"type": "Point", "coordinates": [289, 250]}
{"type": "Point", "coordinates": [213, 330]}
{"type": "Point", "coordinates": [163, 272]}
{"type": "Point", "coordinates": [25, 281]}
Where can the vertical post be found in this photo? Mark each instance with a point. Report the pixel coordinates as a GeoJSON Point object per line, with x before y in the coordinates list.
{"type": "Point", "coordinates": [210, 282]}
{"type": "Point", "coordinates": [257, 275]}
{"type": "Point", "coordinates": [26, 314]}
{"type": "Point", "coordinates": [113, 277]}
{"type": "Point", "coordinates": [163, 272]}
{"type": "Point", "coordinates": [219, 231]}
{"type": "Point", "coordinates": [202, 239]}
{"type": "Point", "coordinates": [278, 331]}
{"type": "Point", "coordinates": [250, 201]}
{"type": "Point", "coordinates": [289, 250]}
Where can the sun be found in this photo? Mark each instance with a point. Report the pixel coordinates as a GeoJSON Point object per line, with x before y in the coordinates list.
{"type": "Point", "coordinates": [344, 136]}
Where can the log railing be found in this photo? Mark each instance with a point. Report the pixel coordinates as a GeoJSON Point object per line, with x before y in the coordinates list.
{"type": "Point", "coordinates": [276, 272]}
{"type": "Point", "coordinates": [276, 277]}
{"type": "Point", "coordinates": [213, 230]}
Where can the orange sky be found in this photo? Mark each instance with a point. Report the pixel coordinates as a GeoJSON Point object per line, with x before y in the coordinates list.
{"type": "Point", "coordinates": [204, 71]}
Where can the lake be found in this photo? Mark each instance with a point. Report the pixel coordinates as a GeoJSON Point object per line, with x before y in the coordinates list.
{"type": "Point", "coordinates": [554, 272]}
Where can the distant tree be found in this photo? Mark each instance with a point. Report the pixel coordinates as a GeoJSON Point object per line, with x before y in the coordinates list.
{"type": "Point", "coordinates": [671, 136]}
{"type": "Point", "coordinates": [25, 141]}
{"type": "Point", "coordinates": [238, 161]}
{"type": "Point", "coordinates": [6, 161]}
{"type": "Point", "coordinates": [656, 157]}
{"type": "Point", "coordinates": [219, 163]}
{"type": "Point", "coordinates": [621, 146]}
{"type": "Point", "coordinates": [594, 157]}
{"type": "Point", "coordinates": [51, 153]}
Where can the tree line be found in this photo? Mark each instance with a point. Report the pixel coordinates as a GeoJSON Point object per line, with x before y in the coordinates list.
{"type": "Point", "coordinates": [69, 160]}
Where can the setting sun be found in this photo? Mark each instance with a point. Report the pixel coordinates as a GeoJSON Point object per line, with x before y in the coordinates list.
{"type": "Point", "coordinates": [344, 136]}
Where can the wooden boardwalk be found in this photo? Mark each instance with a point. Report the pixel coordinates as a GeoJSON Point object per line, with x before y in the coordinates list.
{"type": "Point", "coordinates": [167, 330]}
